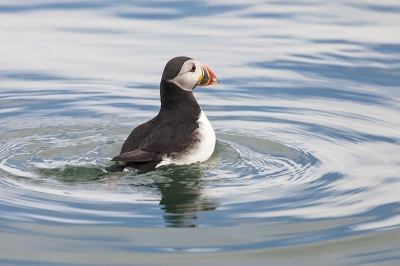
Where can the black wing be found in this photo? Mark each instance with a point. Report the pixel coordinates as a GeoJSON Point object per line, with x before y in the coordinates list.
{"type": "Point", "coordinates": [137, 136]}
{"type": "Point", "coordinates": [149, 141]}
{"type": "Point", "coordinates": [137, 156]}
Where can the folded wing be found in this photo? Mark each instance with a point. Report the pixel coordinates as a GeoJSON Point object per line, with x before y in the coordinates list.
{"type": "Point", "coordinates": [148, 142]}
{"type": "Point", "coordinates": [138, 156]}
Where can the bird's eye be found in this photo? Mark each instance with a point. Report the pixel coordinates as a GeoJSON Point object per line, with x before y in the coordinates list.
{"type": "Point", "coordinates": [193, 69]}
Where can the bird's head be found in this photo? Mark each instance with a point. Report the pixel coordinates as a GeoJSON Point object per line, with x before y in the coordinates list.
{"type": "Point", "coordinates": [187, 73]}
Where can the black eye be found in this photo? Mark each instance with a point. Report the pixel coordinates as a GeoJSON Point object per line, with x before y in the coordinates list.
{"type": "Point", "coordinates": [193, 69]}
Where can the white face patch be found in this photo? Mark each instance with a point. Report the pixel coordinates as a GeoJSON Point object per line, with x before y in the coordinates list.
{"type": "Point", "coordinates": [189, 75]}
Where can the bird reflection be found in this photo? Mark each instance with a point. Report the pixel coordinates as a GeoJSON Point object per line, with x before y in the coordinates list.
{"type": "Point", "coordinates": [183, 197]}
{"type": "Point", "coordinates": [185, 189]}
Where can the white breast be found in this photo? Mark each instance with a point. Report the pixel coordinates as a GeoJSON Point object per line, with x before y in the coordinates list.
{"type": "Point", "coordinates": [207, 139]}
{"type": "Point", "coordinates": [202, 150]}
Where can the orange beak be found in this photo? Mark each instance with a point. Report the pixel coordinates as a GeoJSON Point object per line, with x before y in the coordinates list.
{"type": "Point", "coordinates": [208, 77]}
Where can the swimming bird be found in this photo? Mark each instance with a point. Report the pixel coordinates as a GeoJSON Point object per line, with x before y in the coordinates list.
{"type": "Point", "coordinates": [180, 133]}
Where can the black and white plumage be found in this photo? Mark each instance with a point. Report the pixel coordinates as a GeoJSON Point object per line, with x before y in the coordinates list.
{"type": "Point", "coordinates": [180, 133]}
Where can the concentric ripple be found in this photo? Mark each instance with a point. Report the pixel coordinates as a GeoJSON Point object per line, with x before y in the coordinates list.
{"type": "Point", "coordinates": [57, 176]}
{"type": "Point", "coordinates": [61, 175]}
{"type": "Point", "coordinates": [307, 187]}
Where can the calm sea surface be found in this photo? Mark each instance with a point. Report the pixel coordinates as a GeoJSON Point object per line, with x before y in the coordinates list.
{"type": "Point", "coordinates": [306, 169]}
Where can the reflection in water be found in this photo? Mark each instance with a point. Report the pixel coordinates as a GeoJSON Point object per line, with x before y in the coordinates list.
{"type": "Point", "coordinates": [183, 189]}
{"type": "Point", "coordinates": [186, 190]}
{"type": "Point", "coordinates": [183, 197]}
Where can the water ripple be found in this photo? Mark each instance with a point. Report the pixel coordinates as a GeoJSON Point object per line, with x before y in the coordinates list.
{"type": "Point", "coordinates": [306, 115]}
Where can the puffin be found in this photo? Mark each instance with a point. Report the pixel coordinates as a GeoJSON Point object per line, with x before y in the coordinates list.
{"type": "Point", "coordinates": [181, 133]}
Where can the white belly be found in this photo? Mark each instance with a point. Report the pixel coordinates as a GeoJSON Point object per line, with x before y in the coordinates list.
{"type": "Point", "coordinates": [202, 150]}
{"type": "Point", "coordinates": [207, 140]}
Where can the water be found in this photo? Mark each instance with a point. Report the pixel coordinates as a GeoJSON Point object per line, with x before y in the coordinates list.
{"type": "Point", "coordinates": [307, 164]}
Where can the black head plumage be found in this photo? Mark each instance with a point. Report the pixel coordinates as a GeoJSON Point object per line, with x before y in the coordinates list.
{"type": "Point", "coordinates": [173, 67]}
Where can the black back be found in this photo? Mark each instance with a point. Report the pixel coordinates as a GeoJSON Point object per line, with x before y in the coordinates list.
{"type": "Point", "coordinates": [171, 131]}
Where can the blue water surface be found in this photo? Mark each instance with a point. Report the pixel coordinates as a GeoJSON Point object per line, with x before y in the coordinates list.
{"type": "Point", "coordinates": [306, 169]}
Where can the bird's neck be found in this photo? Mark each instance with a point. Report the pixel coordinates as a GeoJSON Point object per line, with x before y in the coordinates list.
{"type": "Point", "coordinates": [175, 99]}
